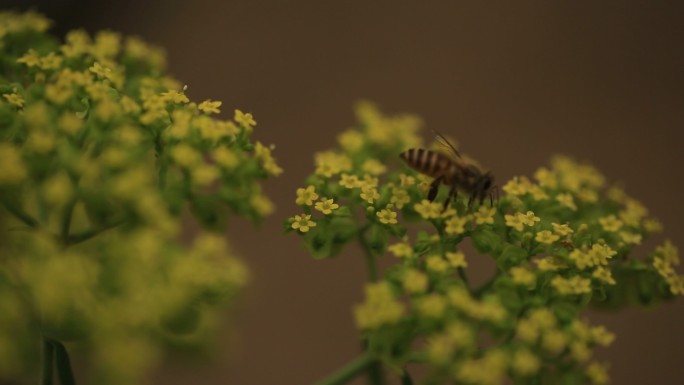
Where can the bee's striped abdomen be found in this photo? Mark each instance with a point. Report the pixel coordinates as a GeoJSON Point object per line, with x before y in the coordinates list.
{"type": "Point", "coordinates": [427, 162]}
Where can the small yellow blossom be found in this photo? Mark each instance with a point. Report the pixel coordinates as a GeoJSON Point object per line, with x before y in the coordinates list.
{"type": "Point", "coordinates": [485, 215]}
{"type": "Point", "coordinates": [548, 264]}
{"type": "Point", "coordinates": [225, 157]}
{"type": "Point", "coordinates": [610, 223]}
{"type": "Point", "coordinates": [456, 225]}
{"type": "Point", "coordinates": [373, 167]}
{"type": "Point", "coordinates": [401, 250]}
{"type": "Point", "coordinates": [369, 194]}
{"type": "Point", "coordinates": [588, 195]}
{"type": "Point", "coordinates": [351, 140]}
{"type": "Point", "coordinates": [562, 230]}
{"type": "Point", "coordinates": [538, 194]}
{"type": "Point", "coordinates": [525, 363]}
{"type": "Point", "coordinates": [527, 331]}
{"type": "Point", "coordinates": [427, 209]}
{"type": "Point", "coordinates": [15, 98]}
{"type": "Point", "coordinates": [601, 335]}
{"type": "Point", "coordinates": [546, 178]}
{"type": "Point", "coordinates": [630, 238]}
{"type": "Point", "coordinates": [579, 351]}
{"type": "Point", "coordinates": [306, 196]}
{"type": "Point", "coordinates": [303, 223]}
{"type": "Point", "coordinates": [399, 197]}
{"type": "Point", "coordinates": [349, 181]}
{"type": "Point", "coordinates": [387, 217]}
{"type": "Point", "coordinates": [177, 97]}
{"type": "Point", "coordinates": [245, 119]}
{"type": "Point", "coordinates": [210, 107]}
{"type": "Point", "coordinates": [204, 175]}
{"type": "Point", "coordinates": [380, 307]}
{"type": "Point", "coordinates": [329, 163]}
{"type": "Point", "coordinates": [523, 276]}
{"type": "Point", "coordinates": [567, 201]}
{"type": "Point", "coordinates": [598, 373]}
{"type": "Point", "coordinates": [547, 237]}
{"type": "Point", "coordinates": [543, 318]}
{"type": "Point", "coordinates": [554, 341]}
{"type": "Point", "coordinates": [517, 186]}
{"type": "Point", "coordinates": [414, 281]}
{"type": "Point", "coordinates": [652, 225]}
{"type": "Point", "coordinates": [407, 180]}
{"type": "Point", "coordinates": [51, 61]}
{"type": "Point", "coordinates": [431, 306]}
{"type": "Point", "coordinates": [581, 258]}
{"type": "Point", "coordinates": [457, 259]}
{"type": "Point", "coordinates": [572, 285]}
{"type": "Point", "coordinates": [30, 58]}
{"type": "Point", "coordinates": [600, 254]}
{"type": "Point", "coordinates": [185, 155]}
{"type": "Point", "coordinates": [326, 206]}
{"type": "Point", "coordinates": [530, 219]}
{"type": "Point", "coordinates": [436, 264]}
{"type": "Point", "coordinates": [515, 221]}
{"type": "Point", "coordinates": [262, 204]}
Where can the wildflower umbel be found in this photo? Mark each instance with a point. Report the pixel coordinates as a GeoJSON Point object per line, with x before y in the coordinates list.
{"type": "Point", "coordinates": [103, 157]}
{"type": "Point", "coordinates": [555, 238]}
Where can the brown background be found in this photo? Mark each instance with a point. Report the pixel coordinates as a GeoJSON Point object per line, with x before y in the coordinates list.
{"type": "Point", "coordinates": [514, 82]}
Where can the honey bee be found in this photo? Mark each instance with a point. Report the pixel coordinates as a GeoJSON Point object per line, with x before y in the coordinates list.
{"type": "Point", "coordinates": [454, 172]}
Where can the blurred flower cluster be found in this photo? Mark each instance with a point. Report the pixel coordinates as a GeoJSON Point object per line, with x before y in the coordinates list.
{"type": "Point", "coordinates": [102, 156]}
{"type": "Point", "coordinates": [561, 241]}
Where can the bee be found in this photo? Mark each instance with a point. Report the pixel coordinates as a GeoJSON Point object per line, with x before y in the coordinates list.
{"type": "Point", "coordinates": [454, 172]}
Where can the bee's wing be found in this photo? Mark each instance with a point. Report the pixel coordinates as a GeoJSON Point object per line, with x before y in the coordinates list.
{"type": "Point", "coordinates": [445, 142]}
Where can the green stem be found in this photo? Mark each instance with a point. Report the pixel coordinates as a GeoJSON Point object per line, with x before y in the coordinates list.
{"type": "Point", "coordinates": [21, 215]}
{"type": "Point", "coordinates": [349, 371]}
{"type": "Point", "coordinates": [371, 262]}
{"type": "Point", "coordinates": [64, 372]}
{"type": "Point", "coordinates": [90, 233]}
{"type": "Point", "coordinates": [66, 220]}
{"type": "Point", "coordinates": [47, 362]}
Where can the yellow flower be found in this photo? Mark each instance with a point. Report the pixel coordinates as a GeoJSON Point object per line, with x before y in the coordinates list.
{"type": "Point", "coordinates": [567, 201]}
{"type": "Point", "coordinates": [652, 225]}
{"type": "Point", "coordinates": [538, 194]}
{"type": "Point", "coordinates": [98, 69]}
{"type": "Point", "coordinates": [515, 221]}
{"type": "Point", "coordinates": [185, 155]}
{"type": "Point", "coordinates": [306, 196]}
{"type": "Point", "coordinates": [414, 281]}
{"type": "Point", "coordinates": [610, 223]}
{"type": "Point", "coordinates": [431, 306]}
{"type": "Point", "coordinates": [329, 163]}
{"type": "Point", "coordinates": [303, 223]}
{"type": "Point", "coordinates": [349, 181]}
{"type": "Point", "coordinates": [262, 204]}
{"type": "Point", "coordinates": [30, 58]}
{"type": "Point", "coordinates": [554, 341]}
{"type": "Point", "coordinates": [210, 107]}
{"type": "Point", "coordinates": [562, 230]}
{"type": "Point", "coordinates": [263, 153]}
{"type": "Point", "coordinates": [204, 175]}
{"type": "Point", "coordinates": [399, 197]}
{"type": "Point", "coordinates": [350, 140]}
{"type": "Point", "coordinates": [548, 264]}
{"type": "Point", "coordinates": [427, 209]}
{"type": "Point", "coordinates": [373, 166]}
{"type": "Point", "coordinates": [546, 178]}
{"type": "Point", "coordinates": [527, 331]}
{"type": "Point", "coordinates": [601, 335]}
{"type": "Point", "coordinates": [326, 206]}
{"type": "Point", "coordinates": [530, 219]}
{"type": "Point", "coordinates": [436, 264]}
{"type": "Point", "coordinates": [457, 259]}
{"type": "Point", "coordinates": [406, 180]}
{"type": "Point", "coordinates": [579, 351]}
{"type": "Point", "coordinates": [598, 373]}
{"type": "Point", "coordinates": [581, 258]}
{"type": "Point", "coordinates": [543, 318]}
{"type": "Point", "coordinates": [380, 307]}
{"type": "Point", "coordinates": [387, 217]}
{"type": "Point", "coordinates": [525, 362]}
{"type": "Point", "coordinates": [600, 254]}
{"type": "Point", "coordinates": [223, 156]}
{"type": "Point", "coordinates": [245, 119]}
{"type": "Point", "coordinates": [631, 238]}
{"type": "Point", "coordinates": [517, 186]}
{"type": "Point", "coordinates": [604, 275]}
{"type": "Point", "coordinates": [546, 237]}
{"type": "Point", "coordinates": [523, 276]}
{"type": "Point", "coordinates": [15, 98]}
{"type": "Point", "coordinates": [177, 97]}
{"type": "Point", "coordinates": [485, 215]}
{"type": "Point", "coordinates": [369, 194]}
{"type": "Point", "coordinates": [456, 225]}
{"type": "Point", "coordinates": [572, 285]}
{"type": "Point", "coordinates": [401, 249]}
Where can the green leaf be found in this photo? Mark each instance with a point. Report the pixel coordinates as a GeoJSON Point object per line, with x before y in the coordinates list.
{"type": "Point", "coordinates": [486, 241]}
{"type": "Point", "coordinates": [511, 255]}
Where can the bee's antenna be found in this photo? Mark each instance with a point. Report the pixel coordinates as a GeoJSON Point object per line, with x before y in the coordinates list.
{"type": "Point", "coordinates": [446, 142]}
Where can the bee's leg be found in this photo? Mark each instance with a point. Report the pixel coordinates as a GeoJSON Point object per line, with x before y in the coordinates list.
{"type": "Point", "coordinates": [434, 187]}
{"type": "Point", "coordinates": [452, 194]}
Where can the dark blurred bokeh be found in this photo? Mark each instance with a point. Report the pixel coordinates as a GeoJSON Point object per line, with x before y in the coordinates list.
{"type": "Point", "coordinates": [514, 82]}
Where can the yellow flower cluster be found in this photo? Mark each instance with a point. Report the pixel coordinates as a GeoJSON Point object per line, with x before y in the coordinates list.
{"type": "Point", "coordinates": [380, 307]}
{"type": "Point", "coordinates": [665, 258]}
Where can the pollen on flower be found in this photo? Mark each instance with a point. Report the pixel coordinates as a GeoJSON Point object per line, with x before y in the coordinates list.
{"type": "Point", "coordinates": [387, 217]}
{"type": "Point", "coordinates": [427, 209]}
{"type": "Point", "coordinates": [306, 196]}
{"type": "Point", "coordinates": [546, 237]}
{"type": "Point", "coordinates": [303, 223]}
{"type": "Point", "coordinates": [326, 206]}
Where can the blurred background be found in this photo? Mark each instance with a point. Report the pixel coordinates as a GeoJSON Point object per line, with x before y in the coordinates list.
{"type": "Point", "coordinates": [513, 82]}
